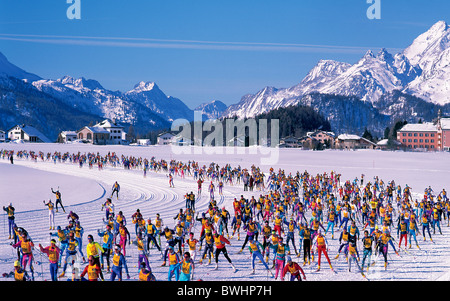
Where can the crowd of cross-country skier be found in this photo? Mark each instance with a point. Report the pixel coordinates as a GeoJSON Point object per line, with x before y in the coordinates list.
{"type": "Point", "coordinates": [287, 226]}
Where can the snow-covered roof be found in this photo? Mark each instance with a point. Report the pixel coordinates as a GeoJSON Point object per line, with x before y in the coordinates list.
{"type": "Point", "coordinates": [419, 127]}
{"type": "Point", "coordinates": [107, 124]}
{"type": "Point", "coordinates": [96, 129]}
{"type": "Point", "coordinates": [68, 133]}
{"type": "Point", "coordinates": [166, 134]}
{"type": "Point", "coordinates": [33, 132]}
{"type": "Point", "coordinates": [320, 132]}
{"type": "Point", "coordinates": [348, 137]}
{"type": "Point", "coordinates": [383, 142]}
{"type": "Point", "coordinates": [445, 123]}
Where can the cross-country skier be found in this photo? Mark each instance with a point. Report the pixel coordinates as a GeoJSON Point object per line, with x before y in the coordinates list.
{"type": "Point", "coordinates": [26, 247]}
{"type": "Point", "coordinates": [51, 214]}
{"type": "Point", "coordinates": [58, 200]}
{"type": "Point", "coordinates": [53, 253]}
{"type": "Point", "coordinates": [220, 241]}
{"type": "Point", "coordinates": [321, 242]}
{"type": "Point", "coordinates": [93, 270]}
{"type": "Point", "coordinates": [255, 250]}
{"type": "Point", "coordinates": [71, 253]}
{"type": "Point", "coordinates": [145, 274]}
{"type": "Point", "coordinates": [187, 267]}
{"type": "Point", "coordinates": [294, 269]}
{"type": "Point", "coordinates": [118, 263]}
{"type": "Point", "coordinates": [10, 211]}
{"type": "Point", "coordinates": [115, 188]}
{"type": "Point", "coordinates": [107, 241]}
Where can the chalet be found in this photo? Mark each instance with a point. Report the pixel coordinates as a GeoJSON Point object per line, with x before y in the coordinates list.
{"type": "Point", "coordinates": [289, 142]}
{"type": "Point", "coordinates": [326, 138]}
{"type": "Point", "coordinates": [308, 142]}
{"type": "Point", "coordinates": [94, 135]}
{"type": "Point", "coordinates": [67, 136]}
{"type": "Point", "coordinates": [27, 133]}
{"type": "Point", "coordinates": [2, 136]}
{"type": "Point", "coordinates": [116, 131]}
{"type": "Point", "coordinates": [387, 144]}
{"type": "Point", "coordinates": [349, 141]}
{"type": "Point", "coordinates": [144, 142]}
{"type": "Point", "coordinates": [165, 138]}
{"type": "Point", "coordinates": [105, 132]}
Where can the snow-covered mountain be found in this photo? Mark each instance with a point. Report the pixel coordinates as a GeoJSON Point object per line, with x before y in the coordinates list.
{"type": "Point", "coordinates": [27, 98]}
{"type": "Point", "coordinates": [271, 98]}
{"type": "Point", "coordinates": [150, 95]}
{"type": "Point", "coordinates": [22, 103]}
{"type": "Point", "coordinates": [372, 76]}
{"type": "Point", "coordinates": [379, 79]}
{"type": "Point", "coordinates": [431, 52]}
{"type": "Point", "coordinates": [319, 77]}
{"type": "Point", "coordinates": [420, 70]}
{"type": "Point", "coordinates": [212, 110]}
{"type": "Point", "coordinates": [88, 95]}
{"type": "Point", "coordinates": [145, 106]}
{"type": "Point", "coordinates": [427, 47]}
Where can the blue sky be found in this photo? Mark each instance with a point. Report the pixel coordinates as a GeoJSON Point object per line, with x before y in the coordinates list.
{"type": "Point", "coordinates": [201, 50]}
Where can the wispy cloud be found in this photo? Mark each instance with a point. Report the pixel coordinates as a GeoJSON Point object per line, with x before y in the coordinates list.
{"type": "Point", "coordinates": [182, 44]}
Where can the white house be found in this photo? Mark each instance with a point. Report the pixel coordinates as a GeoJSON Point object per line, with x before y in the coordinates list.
{"type": "Point", "coordinates": [27, 133]}
{"type": "Point", "coordinates": [388, 144]}
{"type": "Point", "coordinates": [144, 142]}
{"type": "Point", "coordinates": [115, 131]}
{"type": "Point", "coordinates": [94, 135]}
{"type": "Point", "coordinates": [67, 136]}
{"type": "Point", "coordinates": [165, 138]}
{"type": "Point", "coordinates": [2, 136]}
{"type": "Point", "coordinates": [349, 141]}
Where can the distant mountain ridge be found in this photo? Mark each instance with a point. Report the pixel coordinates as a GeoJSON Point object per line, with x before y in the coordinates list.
{"type": "Point", "coordinates": [422, 70]}
{"type": "Point", "coordinates": [212, 110]}
{"type": "Point", "coordinates": [378, 89]}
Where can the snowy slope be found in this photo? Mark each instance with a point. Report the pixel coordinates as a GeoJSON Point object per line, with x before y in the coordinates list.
{"type": "Point", "coordinates": [145, 103]}
{"type": "Point", "coordinates": [271, 98]}
{"type": "Point", "coordinates": [88, 96]}
{"type": "Point", "coordinates": [368, 79]}
{"type": "Point", "coordinates": [150, 96]}
{"type": "Point", "coordinates": [84, 190]}
{"type": "Point", "coordinates": [212, 110]}
{"type": "Point", "coordinates": [144, 106]}
{"type": "Point", "coordinates": [428, 46]}
{"type": "Point", "coordinates": [420, 70]}
{"type": "Point", "coordinates": [431, 52]}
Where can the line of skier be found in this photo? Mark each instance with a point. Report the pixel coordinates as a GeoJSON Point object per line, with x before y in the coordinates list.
{"type": "Point", "coordinates": [272, 223]}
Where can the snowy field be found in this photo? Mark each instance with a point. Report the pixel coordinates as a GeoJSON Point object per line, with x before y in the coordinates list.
{"type": "Point", "coordinates": [26, 184]}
